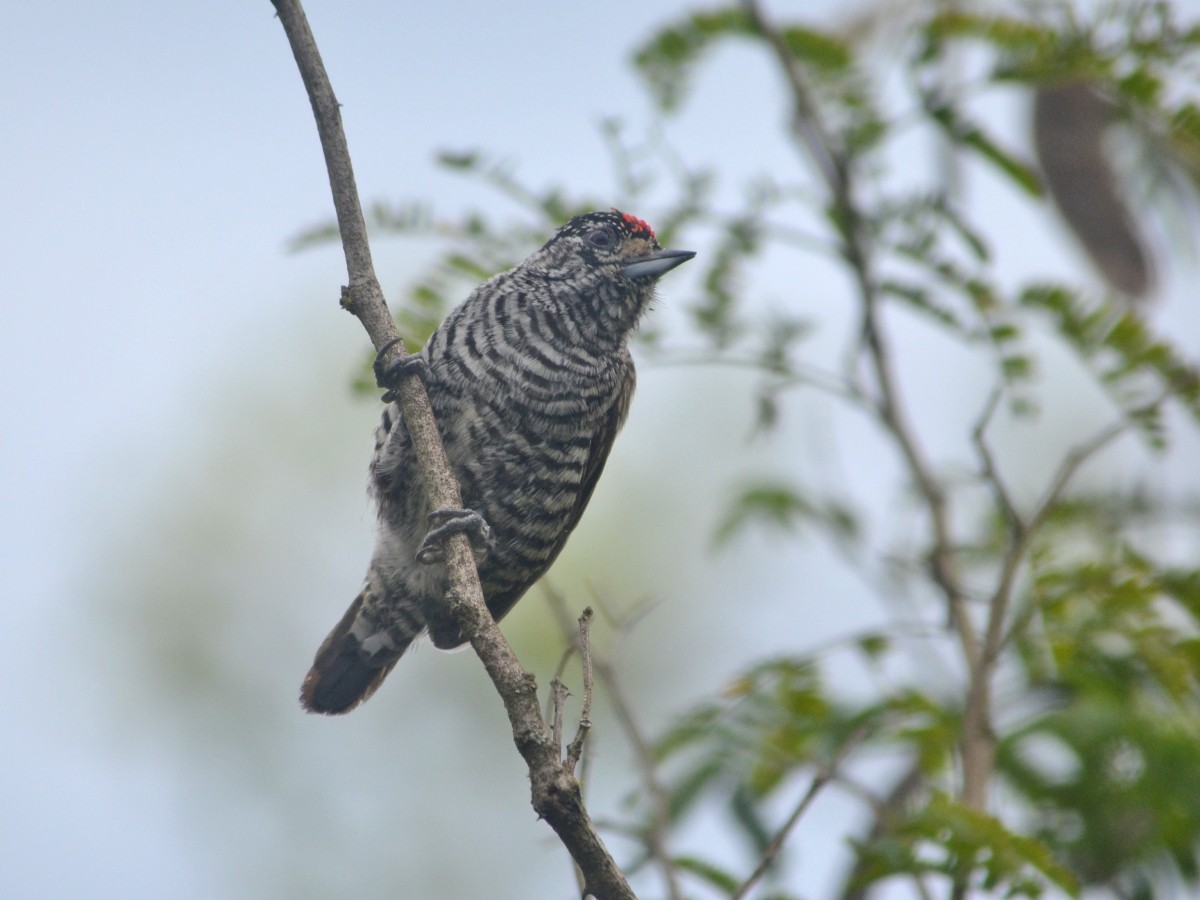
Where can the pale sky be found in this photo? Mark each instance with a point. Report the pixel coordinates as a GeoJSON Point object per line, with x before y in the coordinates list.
{"type": "Point", "coordinates": [156, 159]}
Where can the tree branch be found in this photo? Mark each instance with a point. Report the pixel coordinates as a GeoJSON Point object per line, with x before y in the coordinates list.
{"type": "Point", "coordinates": [556, 793]}
{"type": "Point", "coordinates": [820, 779]}
{"type": "Point", "coordinates": [996, 636]}
{"type": "Point", "coordinates": [575, 751]}
{"type": "Point", "coordinates": [655, 834]}
{"type": "Point", "coordinates": [888, 811]}
{"type": "Point", "coordinates": [834, 164]}
{"type": "Point", "coordinates": [979, 744]}
{"type": "Point", "coordinates": [834, 167]}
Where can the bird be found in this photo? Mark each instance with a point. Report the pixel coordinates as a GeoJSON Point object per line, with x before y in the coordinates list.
{"type": "Point", "coordinates": [530, 379]}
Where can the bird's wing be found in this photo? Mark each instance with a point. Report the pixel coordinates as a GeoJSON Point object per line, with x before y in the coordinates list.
{"type": "Point", "coordinates": [391, 464]}
{"type": "Point", "coordinates": [602, 444]}
{"type": "Point", "coordinates": [501, 602]}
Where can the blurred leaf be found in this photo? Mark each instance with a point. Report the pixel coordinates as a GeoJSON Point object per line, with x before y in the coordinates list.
{"type": "Point", "coordinates": [817, 48]}
{"type": "Point", "coordinates": [666, 61]}
{"type": "Point", "coordinates": [708, 873]}
{"type": "Point", "coordinates": [745, 811]}
{"type": "Point", "coordinates": [781, 506]}
{"type": "Point", "coordinates": [1131, 798]}
{"type": "Point", "coordinates": [776, 721]}
{"type": "Point", "coordinates": [874, 646]}
{"type": "Point", "coordinates": [723, 273]}
{"type": "Point", "coordinates": [1117, 619]}
{"type": "Point", "coordinates": [311, 237]}
{"type": "Point", "coordinates": [944, 837]}
{"type": "Point", "coordinates": [1000, 31]}
{"type": "Point", "coordinates": [920, 299]}
{"type": "Point", "coordinates": [973, 137]}
{"type": "Point", "coordinates": [1133, 364]}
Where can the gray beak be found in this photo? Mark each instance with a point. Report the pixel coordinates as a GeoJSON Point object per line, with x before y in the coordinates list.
{"type": "Point", "coordinates": [656, 263]}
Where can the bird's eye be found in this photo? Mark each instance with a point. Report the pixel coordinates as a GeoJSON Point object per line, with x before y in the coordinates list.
{"type": "Point", "coordinates": [602, 238]}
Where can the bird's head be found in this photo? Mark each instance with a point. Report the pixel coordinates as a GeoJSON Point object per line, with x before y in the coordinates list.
{"type": "Point", "coordinates": [608, 263]}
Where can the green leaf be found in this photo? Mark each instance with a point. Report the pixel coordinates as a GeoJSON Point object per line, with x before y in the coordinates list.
{"type": "Point", "coordinates": [979, 842]}
{"type": "Point", "coordinates": [667, 60]}
{"type": "Point", "coordinates": [919, 298]}
{"type": "Point", "coordinates": [1000, 31]}
{"type": "Point", "coordinates": [781, 506]}
{"type": "Point", "coordinates": [874, 646]}
{"type": "Point", "coordinates": [1134, 365]}
{"type": "Point", "coordinates": [708, 873]}
{"type": "Point", "coordinates": [746, 812]}
{"type": "Point", "coordinates": [817, 48]}
{"type": "Point", "coordinates": [972, 136]}
{"type": "Point", "coordinates": [685, 792]}
{"type": "Point", "coordinates": [466, 160]}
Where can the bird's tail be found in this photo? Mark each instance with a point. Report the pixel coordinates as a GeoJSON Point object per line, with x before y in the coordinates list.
{"type": "Point", "coordinates": [345, 672]}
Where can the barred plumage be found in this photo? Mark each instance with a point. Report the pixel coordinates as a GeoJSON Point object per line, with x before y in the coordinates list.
{"type": "Point", "coordinates": [530, 380]}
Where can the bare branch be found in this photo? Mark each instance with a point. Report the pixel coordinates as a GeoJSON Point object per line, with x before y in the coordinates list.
{"type": "Point", "coordinates": [558, 697]}
{"type": "Point", "coordinates": [575, 751]}
{"type": "Point", "coordinates": [888, 810]}
{"type": "Point", "coordinates": [991, 472]}
{"type": "Point", "coordinates": [660, 803]}
{"type": "Point", "coordinates": [556, 793]}
{"type": "Point", "coordinates": [978, 745]}
{"type": "Point", "coordinates": [655, 837]}
{"type": "Point", "coordinates": [820, 779]}
{"type": "Point", "coordinates": [834, 165]}
{"type": "Point", "coordinates": [998, 638]}
{"type": "Point", "coordinates": [978, 741]}
{"type": "Point", "coordinates": [806, 124]}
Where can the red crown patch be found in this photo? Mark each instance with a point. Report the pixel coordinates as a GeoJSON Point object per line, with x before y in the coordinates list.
{"type": "Point", "coordinates": [634, 222]}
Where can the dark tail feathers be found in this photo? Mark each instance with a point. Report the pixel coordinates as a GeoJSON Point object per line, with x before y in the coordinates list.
{"type": "Point", "coordinates": [340, 678]}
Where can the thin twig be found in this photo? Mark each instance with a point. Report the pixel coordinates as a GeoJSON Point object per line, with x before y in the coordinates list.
{"type": "Point", "coordinates": [978, 740]}
{"type": "Point", "coordinates": [585, 770]}
{"type": "Point", "coordinates": [559, 671]}
{"type": "Point", "coordinates": [575, 751]}
{"type": "Point", "coordinates": [660, 801]}
{"type": "Point", "coordinates": [807, 127]}
{"type": "Point", "coordinates": [1062, 479]}
{"type": "Point", "coordinates": [820, 779]}
{"type": "Point", "coordinates": [555, 793]}
{"type": "Point", "coordinates": [655, 836]}
{"type": "Point", "coordinates": [978, 743]}
{"type": "Point", "coordinates": [558, 698]}
{"type": "Point", "coordinates": [991, 471]}
{"type": "Point", "coordinates": [888, 811]}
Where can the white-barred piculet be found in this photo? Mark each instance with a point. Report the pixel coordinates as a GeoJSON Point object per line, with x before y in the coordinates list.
{"type": "Point", "coordinates": [530, 380]}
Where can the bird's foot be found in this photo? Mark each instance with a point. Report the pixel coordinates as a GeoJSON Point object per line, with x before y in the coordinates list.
{"type": "Point", "coordinates": [389, 377]}
{"type": "Point", "coordinates": [446, 522]}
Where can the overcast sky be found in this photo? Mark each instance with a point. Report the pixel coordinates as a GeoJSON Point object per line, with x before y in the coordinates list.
{"type": "Point", "coordinates": [156, 158]}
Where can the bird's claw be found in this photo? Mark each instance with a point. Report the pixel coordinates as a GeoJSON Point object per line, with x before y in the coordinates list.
{"type": "Point", "coordinates": [446, 522]}
{"type": "Point", "coordinates": [389, 376]}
